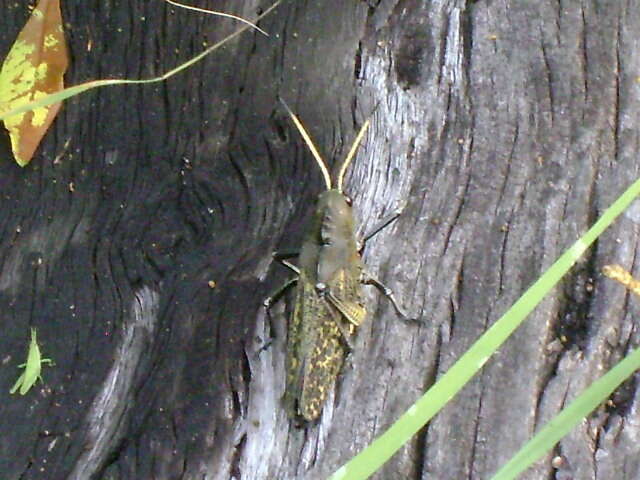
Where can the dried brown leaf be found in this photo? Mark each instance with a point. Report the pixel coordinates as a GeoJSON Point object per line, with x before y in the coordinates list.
{"type": "Point", "coordinates": [33, 69]}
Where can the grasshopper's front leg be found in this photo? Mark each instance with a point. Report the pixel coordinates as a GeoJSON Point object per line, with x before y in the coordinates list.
{"type": "Point", "coordinates": [275, 296]}
{"type": "Point", "coordinates": [368, 279]}
{"type": "Point", "coordinates": [381, 225]}
{"type": "Point", "coordinates": [281, 258]}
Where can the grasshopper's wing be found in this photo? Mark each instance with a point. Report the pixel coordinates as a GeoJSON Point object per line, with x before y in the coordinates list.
{"type": "Point", "coordinates": [305, 309]}
{"type": "Point", "coordinates": [27, 383]}
{"type": "Point", "coordinates": [340, 307]}
{"type": "Point", "coordinates": [340, 312]}
{"type": "Point", "coordinates": [322, 364]}
{"type": "Point", "coordinates": [345, 294]}
{"type": "Point", "coordinates": [324, 354]}
{"type": "Point", "coordinates": [314, 352]}
{"type": "Point", "coordinates": [353, 312]}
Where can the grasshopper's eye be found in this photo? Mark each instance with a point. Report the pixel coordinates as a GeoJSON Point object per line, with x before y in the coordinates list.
{"type": "Point", "coordinates": [347, 199]}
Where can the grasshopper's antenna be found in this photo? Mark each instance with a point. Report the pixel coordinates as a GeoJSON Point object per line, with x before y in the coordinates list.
{"type": "Point", "coordinates": [309, 142]}
{"type": "Point", "coordinates": [352, 152]}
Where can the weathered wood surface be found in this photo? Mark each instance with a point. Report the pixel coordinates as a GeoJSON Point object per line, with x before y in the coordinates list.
{"type": "Point", "coordinates": [502, 129]}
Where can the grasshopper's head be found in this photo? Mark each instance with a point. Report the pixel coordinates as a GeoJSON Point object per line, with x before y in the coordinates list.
{"type": "Point", "coordinates": [335, 217]}
{"type": "Point", "coordinates": [332, 237]}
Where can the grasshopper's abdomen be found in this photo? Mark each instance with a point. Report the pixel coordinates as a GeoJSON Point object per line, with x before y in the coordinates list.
{"type": "Point", "coordinates": [314, 352]}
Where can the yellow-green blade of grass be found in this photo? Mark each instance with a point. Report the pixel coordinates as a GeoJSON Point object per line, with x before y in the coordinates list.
{"type": "Point", "coordinates": [569, 417]}
{"type": "Point", "coordinates": [382, 448]}
{"type": "Point", "coordinates": [83, 87]}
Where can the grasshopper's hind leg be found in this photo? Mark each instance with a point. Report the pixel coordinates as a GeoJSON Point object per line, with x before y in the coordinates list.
{"type": "Point", "coordinates": [368, 279]}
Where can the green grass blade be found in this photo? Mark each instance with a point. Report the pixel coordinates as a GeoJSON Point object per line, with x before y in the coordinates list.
{"type": "Point", "coordinates": [383, 447]}
{"type": "Point", "coordinates": [569, 417]}
{"type": "Point", "coordinates": [83, 87]}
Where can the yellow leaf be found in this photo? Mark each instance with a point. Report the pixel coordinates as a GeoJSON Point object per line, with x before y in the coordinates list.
{"type": "Point", "coordinates": [54, 98]}
{"type": "Point", "coordinates": [33, 69]}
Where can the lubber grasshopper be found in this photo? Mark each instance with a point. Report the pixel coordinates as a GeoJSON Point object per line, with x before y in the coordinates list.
{"type": "Point", "coordinates": [329, 303]}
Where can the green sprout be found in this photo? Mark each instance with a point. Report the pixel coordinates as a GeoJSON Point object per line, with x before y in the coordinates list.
{"type": "Point", "coordinates": [32, 367]}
